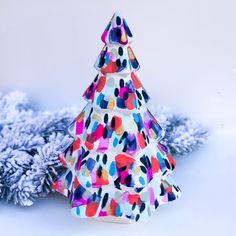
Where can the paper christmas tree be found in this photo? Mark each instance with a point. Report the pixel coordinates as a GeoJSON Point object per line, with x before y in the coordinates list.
{"type": "Point", "coordinates": [116, 166]}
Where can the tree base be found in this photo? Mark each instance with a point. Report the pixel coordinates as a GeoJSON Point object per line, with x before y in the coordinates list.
{"type": "Point", "coordinates": [113, 219]}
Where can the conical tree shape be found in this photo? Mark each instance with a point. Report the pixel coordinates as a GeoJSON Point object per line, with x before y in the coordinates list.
{"type": "Point", "coordinates": [116, 165]}
{"type": "Point", "coordinates": [117, 31]}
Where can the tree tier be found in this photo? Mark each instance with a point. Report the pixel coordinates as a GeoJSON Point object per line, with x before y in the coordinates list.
{"type": "Point", "coordinates": [108, 200]}
{"type": "Point", "coordinates": [119, 170]}
{"type": "Point", "coordinates": [116, 59]}
{"type": "Point", "coordinates": [116, 92]}
{"type": "Point", "coordinates": [116, 130]}
{"type": "Point", "coordinates": [117, 31]}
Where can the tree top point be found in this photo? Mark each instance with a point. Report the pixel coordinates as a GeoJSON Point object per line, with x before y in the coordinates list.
{"type": "Point", "coordinates": [117, 31]}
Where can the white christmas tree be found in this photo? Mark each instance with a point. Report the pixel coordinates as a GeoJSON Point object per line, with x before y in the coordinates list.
{"type": "Point", "coordinates": [116, 166]}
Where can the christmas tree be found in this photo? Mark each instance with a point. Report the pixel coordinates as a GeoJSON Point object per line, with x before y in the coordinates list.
{"type": "Point", "coordinates": [116, 166]}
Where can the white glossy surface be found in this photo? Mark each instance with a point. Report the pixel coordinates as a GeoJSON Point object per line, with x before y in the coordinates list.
{"type": "Point", "coordinates": [47, 48]}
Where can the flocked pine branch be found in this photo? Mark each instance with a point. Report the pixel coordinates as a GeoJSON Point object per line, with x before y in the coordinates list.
{"type": "Point", "coordinates": [182, 135]}
{"type": "Point", "coordinates": [30, 142]}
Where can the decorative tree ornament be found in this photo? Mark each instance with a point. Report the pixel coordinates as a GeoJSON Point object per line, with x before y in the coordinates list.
{"type": "Point", "coordinates": [116, 168]}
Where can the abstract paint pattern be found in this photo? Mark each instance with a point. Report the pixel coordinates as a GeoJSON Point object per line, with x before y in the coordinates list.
{"type": "Point", "coordinates": [116, 165]}
{"type": "Point", "coordinates": [122, 133]}
{"type": "Point", "coordinates": [115, 58]}
{"type": "Point", "coordinates": [116, 92]}
{"type": "Point", "coordinates": [117, 31]}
